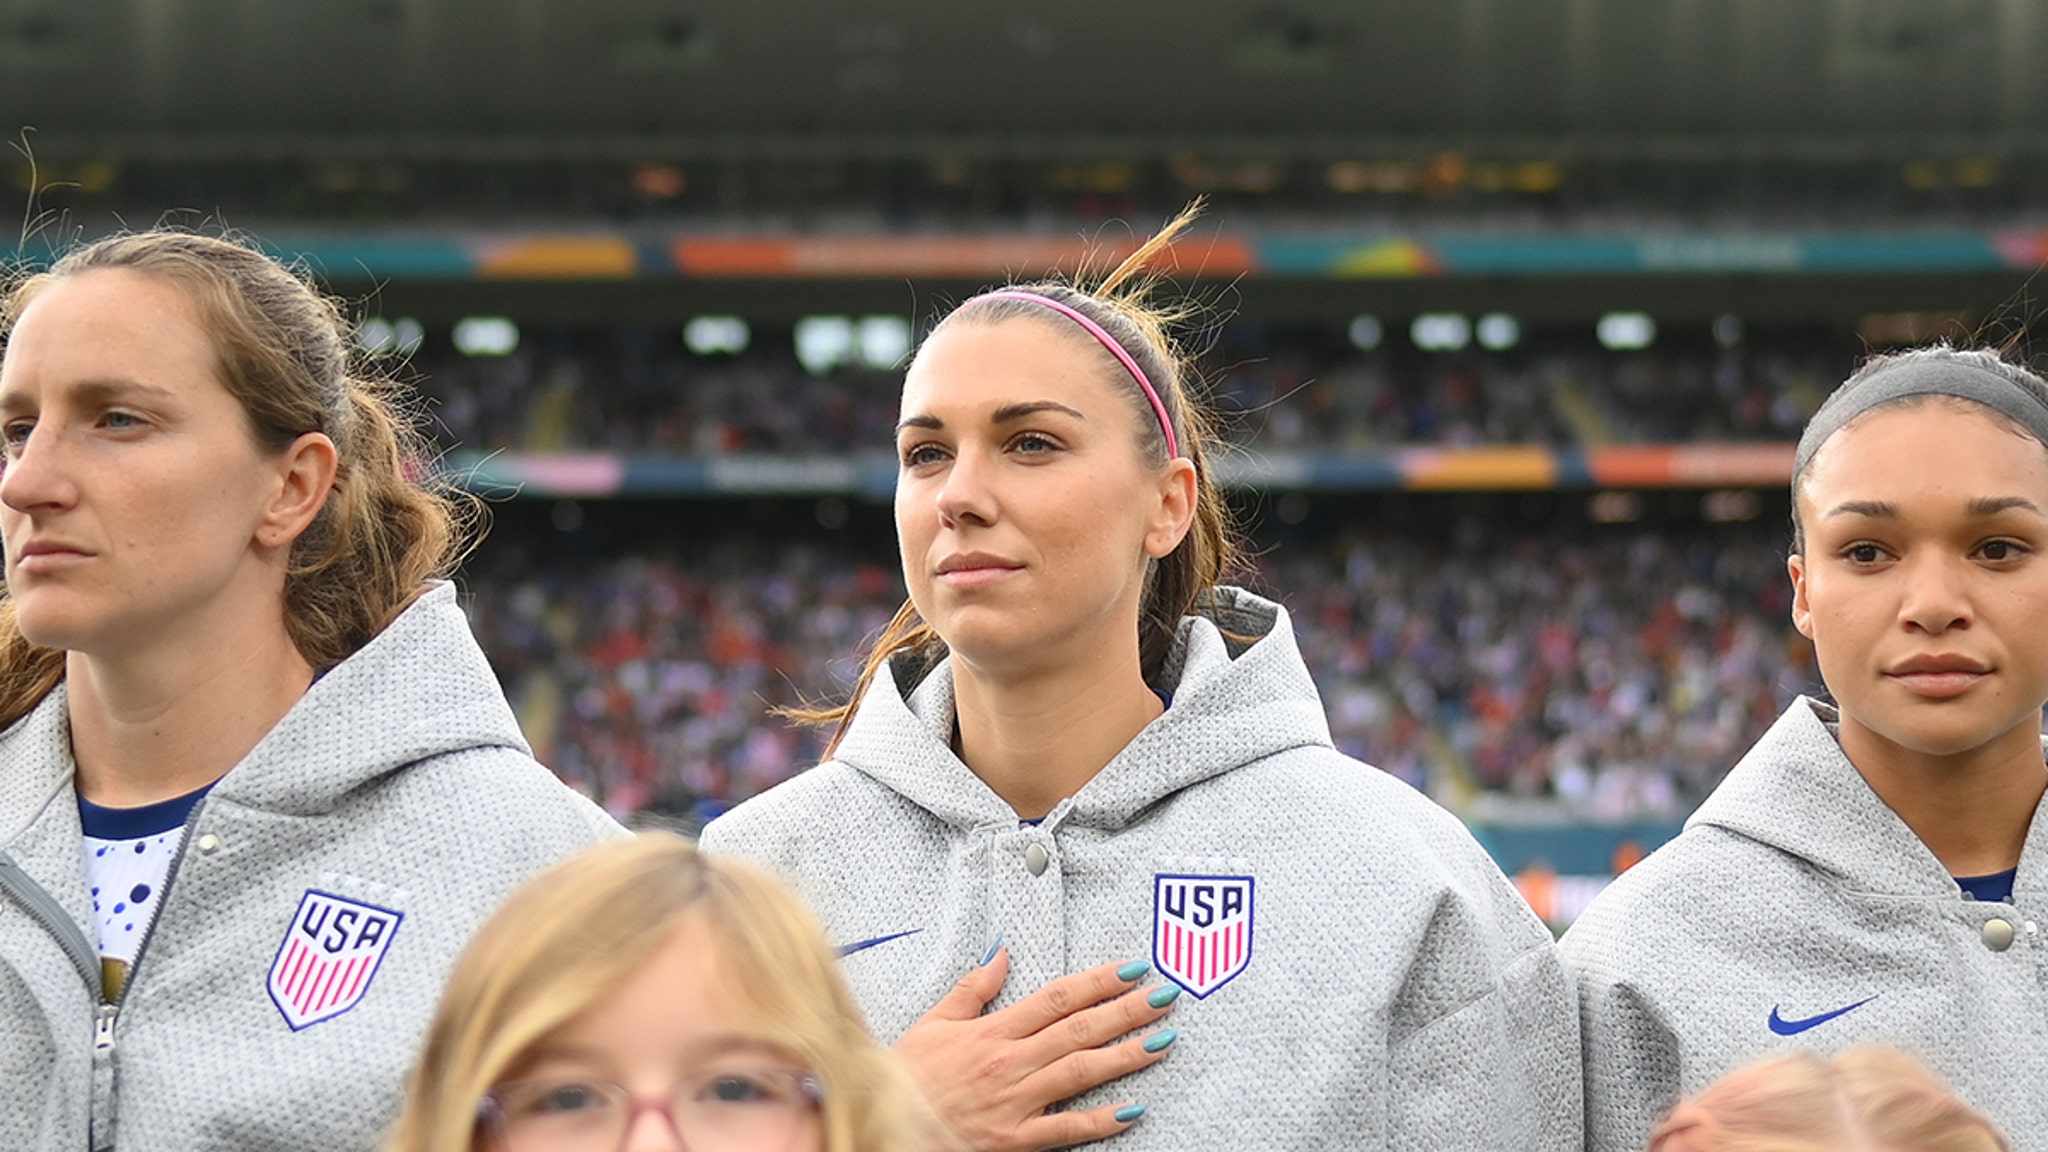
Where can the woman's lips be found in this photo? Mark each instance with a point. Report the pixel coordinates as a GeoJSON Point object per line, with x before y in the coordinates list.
{"type": "Point", "coordinates": [1939, 685]}
{"type": "Point", "coordinates": [977, 576]}
{"type": "Point", "coordinates": [44, 560]}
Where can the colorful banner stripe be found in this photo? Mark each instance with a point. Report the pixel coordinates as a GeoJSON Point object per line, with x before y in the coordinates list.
{"type": "Point", "coordinates": [990, 257]}
{"type": "Point", "coordinates": [968, 257]}
{"type": "Point", "coordinates": [873, 476]}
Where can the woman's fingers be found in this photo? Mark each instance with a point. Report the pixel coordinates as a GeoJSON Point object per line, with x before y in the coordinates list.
{"type": "Point", "coordinates": [1068, 995]}
{"type": "Point", "coordinates": [1088, 1068]}
{"type": "Point", "coordinates": [991, 1077]}
{"type": "Point", "coordinates": [1060, 1129]}
{"type": "Point", "coordinates": [1091, 1028]}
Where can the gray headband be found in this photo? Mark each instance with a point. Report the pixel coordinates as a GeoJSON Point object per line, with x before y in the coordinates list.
{"type": "Point", "coordinates": [1923, 376]}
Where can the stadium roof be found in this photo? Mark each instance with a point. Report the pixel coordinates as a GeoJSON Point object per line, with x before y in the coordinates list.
{"type": "Point", "coordinates": [185, 78]}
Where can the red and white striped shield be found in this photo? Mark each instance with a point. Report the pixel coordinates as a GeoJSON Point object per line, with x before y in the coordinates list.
{"type": "Point", "coordinates": [1201, 929]}
{"type": "Point", "coordinates": [329, 956]}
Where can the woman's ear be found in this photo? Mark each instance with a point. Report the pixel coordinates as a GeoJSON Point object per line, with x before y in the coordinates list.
{"type": "Point", "coordinates": [1802, 613]}
{"type": "Point", "coordinates": [1175, 511]}
{"type": "Point", "coordinates": [305, 477]}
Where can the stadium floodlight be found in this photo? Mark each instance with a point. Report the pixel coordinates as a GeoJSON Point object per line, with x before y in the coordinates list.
{"type": "Point", "coordinates": [1615, 507]}
{"type": "Point", "coordinates": [1367, 332]}
{"type": "Point", "coordinates": [823, 343]}
{"type": "Point", "coordinates": [1498, 331]}
{"type": "Point", "coordinates": [717, 335]}
{"type": "Point", "coordinates": [1731, 505]}
{"type": "Point", "coordinates": [376, 336]}
{"type": "Point", "coordinates": [408, 334]}
{"type": "Point", "coordinates": [486, 336]}
{"type": "Point", "coordinates": [1626, 331]}
{"type": "Point", "coordinates": [884, 341]}
{"type": "Point", "coordinates": [1728, 330]}
{"type": "Point", "coordinates": [1440, 332]}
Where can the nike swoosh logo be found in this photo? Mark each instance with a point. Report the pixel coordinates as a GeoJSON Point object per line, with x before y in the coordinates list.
{"type": "Point", "coordinates": [1784, 1027]}
{"type": "Point", "coordinates": [846, 950]}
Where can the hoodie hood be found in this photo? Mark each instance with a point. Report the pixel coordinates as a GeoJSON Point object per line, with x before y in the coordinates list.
{"type": "Point", "coordinates": [1796, 791]}
{"type": "Point", "coordinates": [418, 689]}
{"type": "Point", "coordinates": [1240, 694]}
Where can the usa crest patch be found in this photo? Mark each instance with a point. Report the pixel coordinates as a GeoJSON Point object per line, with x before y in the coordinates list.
{"type": "Point", "coordinates": [329, 956]}
{"type": "Point", "coordinates": [1201, 929]}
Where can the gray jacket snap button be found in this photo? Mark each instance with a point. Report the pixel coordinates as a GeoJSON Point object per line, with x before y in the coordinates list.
{"type": "Point", "coordinates": [1035, 859]}
{"type": "Point", "coordinates": [1998, 935]}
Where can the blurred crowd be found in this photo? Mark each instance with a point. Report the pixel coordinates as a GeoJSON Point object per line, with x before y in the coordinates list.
{"type": "Point", "coordinates": [636, 390]}
{"type": "Point", "coordinates": [1611, 678]}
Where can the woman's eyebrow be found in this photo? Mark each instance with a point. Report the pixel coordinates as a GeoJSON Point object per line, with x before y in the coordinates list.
{"type": "Point", "coordinates": [1003, 415]}
{"type": "Point", "coordinates": [1993, 505]}
{"type": "Point", "coordinates": [93, 392]}
{"type": "Point", "coordinates": [1009, 412]}
{"type": "Point", "coordinates": [1980, 506]}
{"type": "Point", "coordinates": [109, 390]}
{"type": "Point", "coordinates": [1878, 508]}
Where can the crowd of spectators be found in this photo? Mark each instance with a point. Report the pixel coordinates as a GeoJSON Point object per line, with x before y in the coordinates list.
{"type": "Point", "coordinates": [1508, 671]}
{"type": "Point", "coordinates": [1613, 677]}
{"type": "Point", "coordinates": [635, 390]}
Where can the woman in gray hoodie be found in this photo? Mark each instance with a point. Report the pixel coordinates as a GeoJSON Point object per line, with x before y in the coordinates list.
{"type": "Point", "coordinates": [1876, 868]}
{"type": "Point", "coordinates": [1084, 786]}
{"type": "Point", "coordinates": [257, 784]}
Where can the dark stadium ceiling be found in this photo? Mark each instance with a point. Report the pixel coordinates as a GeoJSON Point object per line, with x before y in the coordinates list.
{"type": "Point", "coordinates": [196, 78]}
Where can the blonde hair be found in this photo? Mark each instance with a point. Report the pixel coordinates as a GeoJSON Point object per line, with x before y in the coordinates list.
{"type": "Point", "coordinates": [286, 355]}
{"type": "Point", "coordinates": [1798, 1102]}
{"type": "Point", "coordinates": [564, 941]}
{"type": "Point", "coordinates": [1179, 584]}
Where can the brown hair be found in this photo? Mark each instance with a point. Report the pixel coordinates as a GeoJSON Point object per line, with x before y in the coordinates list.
{"type": "Point", "coordinates": [573, 934]}
{"type": "Point", "coordinates": [1182, 582]}
{"type": "Point", "coordinates": [286, 355]}
{"type": "Point", "coordinates": [1987, 359]}
{"type": "Point", "coordinates": [1880, 1097]}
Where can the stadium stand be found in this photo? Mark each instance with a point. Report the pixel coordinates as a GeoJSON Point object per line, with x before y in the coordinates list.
{"type": "Point", "coordinates": [1288, 388]}
{"type": "Point", "coordinates": [1541, 672]}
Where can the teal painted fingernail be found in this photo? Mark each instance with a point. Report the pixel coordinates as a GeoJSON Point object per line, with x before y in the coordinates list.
{"type": "Point", "coordinates": [1163, 995]}
{"type": "Point", "coordinates": [1160, 1041]}
{"type": "Point", "coordinates": [994, 947]}
{"type": "Point", "coordinates": [1129, 1113]}
{"type": "Point", "coordinates": [1132, 971]}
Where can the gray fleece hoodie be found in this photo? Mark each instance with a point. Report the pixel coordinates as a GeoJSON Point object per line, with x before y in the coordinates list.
{"type": "Point", "coordinates": [1361, 974]}
{"type": "Point", "coordinates": [398, 789]}
{"type": "Point", "coordinates": [1796, 910]}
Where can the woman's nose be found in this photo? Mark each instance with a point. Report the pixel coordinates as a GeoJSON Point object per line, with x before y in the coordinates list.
{"type": "Point", "coordinates": [965, 495]}
{"type": "Point", "coordinates": [1937, 596]}
{"type": "Point", "coordinates": [32, 473]}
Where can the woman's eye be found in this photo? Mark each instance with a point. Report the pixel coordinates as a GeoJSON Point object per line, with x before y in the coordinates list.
{"type": "Point", "coordinates": [1862, 553]}
{"type": "Point", "coordinates": [1031, 444]}
{"type": "Point", "coordinates": [121, 421]}
{"type": "Point", "coordinates": [920, 454]}
{"type": "Point", "coordinates": [2000, 550]}
{"type": "Point", "coordinates": [16, 433]}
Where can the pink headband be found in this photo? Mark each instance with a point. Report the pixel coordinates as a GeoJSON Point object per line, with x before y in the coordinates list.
{"type": "Point", "coordinates": [1107, 341]}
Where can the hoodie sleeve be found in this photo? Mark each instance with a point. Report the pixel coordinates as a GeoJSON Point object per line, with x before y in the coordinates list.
{"type": "Point", "coordinates": [1484, 1050]}
{"type": "Point", "coordinates": [1632, 1058]}
{"type": "Point", "coordinates": [1631, 1067]}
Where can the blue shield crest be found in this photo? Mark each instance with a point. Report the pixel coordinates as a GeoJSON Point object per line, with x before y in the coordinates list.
{"type": "Point", "coordinates": [329, 956]}
{"type": "Point", "coordinates": [1201, 929]}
